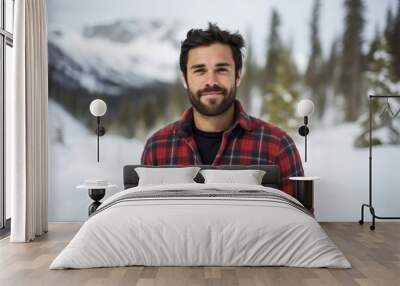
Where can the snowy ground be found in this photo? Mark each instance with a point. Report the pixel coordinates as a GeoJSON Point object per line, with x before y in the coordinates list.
{"type": "Point", "coordinates": [339, 193]}
{"type": "Point", "coordinates": [75, 160]}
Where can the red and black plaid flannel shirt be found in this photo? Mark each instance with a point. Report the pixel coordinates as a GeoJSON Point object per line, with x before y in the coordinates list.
{"type": "Point", "coordinates": [249, 141]}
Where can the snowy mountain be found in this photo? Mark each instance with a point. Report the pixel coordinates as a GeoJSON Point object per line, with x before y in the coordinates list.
{"type": "Point", "coordinates": [113, 57]}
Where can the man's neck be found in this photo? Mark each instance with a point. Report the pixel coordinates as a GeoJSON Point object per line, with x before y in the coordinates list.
{"type": "Point", "coordinates": [214, 123]}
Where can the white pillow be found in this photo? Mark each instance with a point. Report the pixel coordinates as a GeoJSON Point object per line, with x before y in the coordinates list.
{"type": "Point", "coordinates": [249, 177]}
{"type": "Point", "coordinates": [162, 176]}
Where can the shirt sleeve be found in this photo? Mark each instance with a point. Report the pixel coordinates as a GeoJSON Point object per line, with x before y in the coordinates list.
{"type": "Point", "coordinates": [147, 154]}
{"type": "Point", "coordinates": [290, 165]}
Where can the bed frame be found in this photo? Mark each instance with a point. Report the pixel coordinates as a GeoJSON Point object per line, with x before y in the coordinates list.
{"type": "Point", "coordinates": [270, 179]}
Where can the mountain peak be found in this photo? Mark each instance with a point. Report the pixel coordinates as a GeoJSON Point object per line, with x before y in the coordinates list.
{"type": "Point", "coordinates": [127, 53]}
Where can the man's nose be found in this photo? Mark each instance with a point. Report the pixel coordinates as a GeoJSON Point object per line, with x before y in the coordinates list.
{"type": "Point", "coordinates": [211, 79]}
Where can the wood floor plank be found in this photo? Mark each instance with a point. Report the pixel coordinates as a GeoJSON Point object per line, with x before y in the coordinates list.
{"type": "Point", "coordinates": [374, 255]}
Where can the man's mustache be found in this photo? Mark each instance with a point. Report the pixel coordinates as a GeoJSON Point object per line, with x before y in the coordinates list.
{"type": "Point", "coordinates": [214, 88]}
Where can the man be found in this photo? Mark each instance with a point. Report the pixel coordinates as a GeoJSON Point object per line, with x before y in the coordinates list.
{"type": "Point", "coordinates": [216, 130]}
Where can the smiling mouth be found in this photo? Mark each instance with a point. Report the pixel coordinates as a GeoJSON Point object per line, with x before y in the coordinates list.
{"type": "Point", "coordinates": [212, 93]}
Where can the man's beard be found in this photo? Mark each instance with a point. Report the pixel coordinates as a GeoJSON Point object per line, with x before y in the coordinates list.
{"type": "Point", "coordinates": [216, 109]}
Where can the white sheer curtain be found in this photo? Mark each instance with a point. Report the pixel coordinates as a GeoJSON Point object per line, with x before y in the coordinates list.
{"type": "Point", "coordinates": [26, 122]}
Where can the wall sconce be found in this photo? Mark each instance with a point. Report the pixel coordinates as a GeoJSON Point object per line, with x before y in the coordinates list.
{"type": "Point", "coordinates": [98, 108]}
{"type": "Point", "coordinates": [305, 108]}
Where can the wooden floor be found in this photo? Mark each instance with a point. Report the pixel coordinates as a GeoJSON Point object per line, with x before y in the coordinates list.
{"type": "Point", "coordinates": [374, 255]}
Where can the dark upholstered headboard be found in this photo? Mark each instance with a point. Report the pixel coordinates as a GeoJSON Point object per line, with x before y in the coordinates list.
{"type": "Point", "coordinates": [270, 179]}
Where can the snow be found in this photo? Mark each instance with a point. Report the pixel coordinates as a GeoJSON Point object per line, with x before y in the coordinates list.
{"type": "Point", "coordinates": [382, 55]}
{"type": "Point", "coordinates": [394, 87]}
{"type": "Point", "coordinates": [74, 159]}
{"type": "Point", "coordinates": [339, 193]}
{"type": "Point", "coordinates": [334, 109]}
{"type": "Point", "coordinates": [343, 170]}
{"type": "Point", "coordinates": [256, 101]}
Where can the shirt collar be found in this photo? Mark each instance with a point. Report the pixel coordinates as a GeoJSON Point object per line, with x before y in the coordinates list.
{"type": "Point", "coordinates": [185, 124]}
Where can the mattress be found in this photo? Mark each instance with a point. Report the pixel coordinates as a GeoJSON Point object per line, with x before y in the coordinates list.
{"type": "Point", "coordinates": [201, 225]}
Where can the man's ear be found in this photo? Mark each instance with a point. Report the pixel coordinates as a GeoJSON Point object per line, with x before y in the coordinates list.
{"type": "Point", "coordinates": [238, 78]}
{"type": "Point", "coordinates": [183, 81]}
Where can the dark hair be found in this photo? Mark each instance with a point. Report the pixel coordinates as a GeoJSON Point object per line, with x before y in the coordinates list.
{"type": "Point", "coordinates": [198, 37]}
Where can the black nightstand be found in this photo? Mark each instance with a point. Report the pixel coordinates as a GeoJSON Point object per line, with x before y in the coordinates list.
{"type": "Point", "coordinates": [96, 193]}
{"type": "Point", "coordinates": [305, 191]}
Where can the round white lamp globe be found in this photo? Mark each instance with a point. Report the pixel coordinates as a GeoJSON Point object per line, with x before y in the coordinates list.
{"type": "Point", "coordinates": [98, 107]}
{"type": "Point", "coordinates": [305, 107]}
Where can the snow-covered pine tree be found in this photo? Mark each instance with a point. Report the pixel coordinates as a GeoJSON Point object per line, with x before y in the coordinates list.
{"type": "Point", "coordinates": [282, 96]}
{"type": "Point", "coordinates": [351, 80]}
{"type": "Point", "coordinates": [393, 43]}
{"type": "Point", "coordinates": [281, 79]}
{"type": "Point", "coordinates": [380, 78]}
{"type": "Point", "coordinates": [274, 47]}
{"type": "Point", "coordinates": [314, 77]}
{"type": "Point", "coordinates": [249, 75]}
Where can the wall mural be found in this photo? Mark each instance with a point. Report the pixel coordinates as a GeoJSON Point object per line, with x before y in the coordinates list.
{"type": "Point", "coordinates": [127, 53]}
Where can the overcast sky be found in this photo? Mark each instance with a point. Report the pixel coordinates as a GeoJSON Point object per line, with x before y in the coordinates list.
{"type": "Point", "coordinates": [250, 15]}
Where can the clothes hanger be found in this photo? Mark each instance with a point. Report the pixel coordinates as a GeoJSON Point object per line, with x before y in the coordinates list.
{"type": "Point", "coordinates": [388, 109]}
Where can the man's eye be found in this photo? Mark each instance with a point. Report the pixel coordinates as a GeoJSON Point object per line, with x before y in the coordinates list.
{"type": "Point", "coordinates": [199, 71]}
{"type": "Point", "coordinates": [222, 70]}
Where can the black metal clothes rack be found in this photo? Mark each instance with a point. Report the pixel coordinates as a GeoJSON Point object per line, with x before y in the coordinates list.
{"type": "Point", "coordinates": [369, 205]}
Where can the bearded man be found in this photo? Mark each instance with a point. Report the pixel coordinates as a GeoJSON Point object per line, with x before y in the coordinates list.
{"type": "Point", "coordinates": [216, 130]}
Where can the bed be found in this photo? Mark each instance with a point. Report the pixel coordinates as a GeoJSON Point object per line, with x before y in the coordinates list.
{"type": "Point", "coordinates": [201, 224]}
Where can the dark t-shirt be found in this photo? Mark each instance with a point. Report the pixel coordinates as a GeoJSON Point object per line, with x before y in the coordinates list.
{"type": "Point", "coordinates": [208, 144]}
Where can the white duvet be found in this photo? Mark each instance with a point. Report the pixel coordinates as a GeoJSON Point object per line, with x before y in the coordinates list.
{"type": "Point", "coordinates": [176, 231]}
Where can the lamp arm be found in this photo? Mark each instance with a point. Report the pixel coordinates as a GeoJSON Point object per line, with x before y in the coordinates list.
{"type": "Point", "coordinates": [305, 138]}
{"type": "Point", "coordinates": [305, 148]}
{"type": "Point", "coordinates": [97, 131]}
